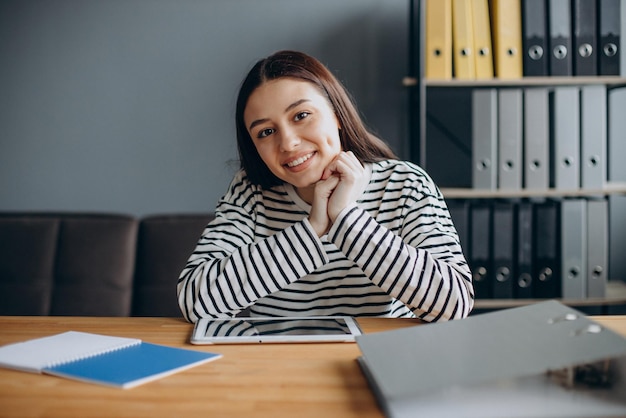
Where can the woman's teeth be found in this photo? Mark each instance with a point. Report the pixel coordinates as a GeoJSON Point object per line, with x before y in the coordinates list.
{"type": "Point", "coordinates": [299, 161]}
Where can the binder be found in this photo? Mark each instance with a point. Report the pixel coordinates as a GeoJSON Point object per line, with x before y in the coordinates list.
{"type": "Point", "coordinates": [610, 33]}
{"type": "Point", "coordinates": [480, 249]}
{"type": "Point", "coordinates": [535, 38]}
{"type": "Point", "coordinates": [506, 20]}
{"type": "Point", "coordinates": [584, 37]}
{"type": "Point", "coordinates": [514, 374]}
{"type": "Point", "coordinates": [546, 250]}
{"type": "Point", "coordinates": [565, 127]}
{"type": "Point", "coordinates": [502, 250]}
{"type": "Point", "coordinates": [560, 26]}
{"type": "Point", "coordinates": [463, 60]}
{"type": "Point", "coordinates": [574, 248]}
{"type": "Point", "coordinates": [459, 212]}
{"type": "Point", "coordinates": [523, 278]}
{"type": "Point", "coordinates": [617, 173]}
{"type": "Point", "coordinates": [622, 62]}
{"type": "Point", "coordinates": [438, 54]}
{"type": "Point", "coordinates": [536, 140]}
{"type": "Point", "coordinates": [483, 52]}
{"type": "Point", "coordinates": [485, 139]}
{"type": "Point", "coordinates": [510, 139]}
{"type": "Point", "coordinates": [597, 247]}
{"type": "Point", "coordinates": [593, 136]}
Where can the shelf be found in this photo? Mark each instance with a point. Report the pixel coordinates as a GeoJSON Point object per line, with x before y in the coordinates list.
{"type": "Point", "coordinates": [615, 295]}
{"type": "Point", "coordinates": [526, 81]}
{"type": "Point", "coordinates": [467, 193]}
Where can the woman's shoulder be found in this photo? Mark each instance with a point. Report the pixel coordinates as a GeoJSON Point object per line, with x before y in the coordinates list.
{"type": "Point", "coordinates": [404, 174]}
{"type": "Point", "coordinates": [398, 168]}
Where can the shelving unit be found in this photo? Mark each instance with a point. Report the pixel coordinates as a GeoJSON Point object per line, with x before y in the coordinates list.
{"type": "Point", "coordinates": [420, 88]}
{"type": "Point", "coordinates": [466, 193]}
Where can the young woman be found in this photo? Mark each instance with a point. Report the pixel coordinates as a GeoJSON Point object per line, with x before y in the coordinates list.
{"type": "Point", "coordinates": [322, 219]}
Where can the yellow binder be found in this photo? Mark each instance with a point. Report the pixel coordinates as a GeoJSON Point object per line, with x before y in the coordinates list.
{"type": "Point", "coordinates": [439, 39]}
{"type": "Point", "coordinates": [483, 53]}
{"type": "Point", "coordinates": [506, 20]}
{"type": "Point", "coordinates": [463, 40]}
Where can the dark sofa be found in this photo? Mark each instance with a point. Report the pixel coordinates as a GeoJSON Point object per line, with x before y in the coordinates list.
{"type": "Point", "coordinates": [94, 264]}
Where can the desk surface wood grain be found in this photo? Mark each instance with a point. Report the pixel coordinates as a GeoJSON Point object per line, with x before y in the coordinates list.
{"type": "Point", "coordinates": [268, 380]}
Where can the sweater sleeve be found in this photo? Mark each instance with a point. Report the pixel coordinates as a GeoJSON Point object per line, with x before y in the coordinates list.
{"type": "Point", "coordinates": [421, 265]}
{"type": "Point", "coordinates": [230, 268]}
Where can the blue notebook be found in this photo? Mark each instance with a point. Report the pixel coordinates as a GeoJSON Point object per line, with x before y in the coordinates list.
{"type": "Point", "coordinates": [101, 359]}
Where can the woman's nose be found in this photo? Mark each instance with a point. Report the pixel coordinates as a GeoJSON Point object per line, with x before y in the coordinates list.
{"type": "Point", "coordinates": [289, 140]}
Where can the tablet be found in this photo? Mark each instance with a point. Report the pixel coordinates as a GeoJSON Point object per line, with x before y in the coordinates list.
{"type": "Point", "coordinates": [314, 329]}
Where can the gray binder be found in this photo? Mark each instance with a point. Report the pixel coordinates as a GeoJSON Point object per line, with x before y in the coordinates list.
{"type": "Point", "coordinates": [597, 247]}
{"type": "Point", "coordinates": [510, 139]}
{"type": "Point", "coordinates": [622, 62]}
{"type": "Point", "coordinates": [593, 137]}
{"type": "Point", "coordinates": [574, 249]}
{"type": "Point", "coordinates": [536, 146]}
{"type": "Point", "coordinates": [617, 173]}
{"type": "Point", "coordinates": [484, 139]}
{"type": "Point", "coordinates": [503, 363]}
{"type": "Point", "coordinates": [565, 126]}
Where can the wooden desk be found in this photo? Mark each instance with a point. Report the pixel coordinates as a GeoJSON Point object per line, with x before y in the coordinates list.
{"type": "Point", "coordinates": [269, 380]}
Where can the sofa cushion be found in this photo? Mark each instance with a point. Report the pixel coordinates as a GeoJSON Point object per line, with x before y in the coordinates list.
{"type": "Point", "coordinates": [95, 266]}
{"type": "Point", "coordinates": [27, 256]}
{"type": "Point", "coordinates": [164, 245]}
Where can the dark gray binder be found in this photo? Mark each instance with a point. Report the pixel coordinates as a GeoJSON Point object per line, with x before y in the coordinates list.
{"type": "Point", "coordinates": [574, 249]}
{"type": "Point", "coordinates": [480, 249]}
{"type": "Point", "coordinates": [584, 37]}
{"type": "Point", "coordinates": [593, 136]}
{"type": "Point", "coordinates": [510, 139]}
{"type": "Point", "coordinates": [512, 362]}
{"type": "Point", "coordinates": [523, 279]}
{"type": "Point", "coordinates": [535, 38]}
{"type": "Point", "coordinates": [485, 139]}
{"type": "Point", "coordinates": [597, 247]}
{"type": "Point", "coordinates": [502, 250]}
{"type": "Point", "coordinates": [560, 29]}
{"type": "Point", "coordinates": [459, 212]}
{"type": "Point", "coordinates": [610, 34]}
{"type": "Point", "coordinates": [536, 143]}
{"type": "Point", "coordinates": [565, 132]}
{"type": "Point", "coordinates": [547, 250]}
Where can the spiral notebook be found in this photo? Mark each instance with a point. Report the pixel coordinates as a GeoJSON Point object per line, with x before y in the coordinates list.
{"type": "Point", "coordinates": [101, 359]}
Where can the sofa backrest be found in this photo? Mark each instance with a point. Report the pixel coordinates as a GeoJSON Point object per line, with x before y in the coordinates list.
{"type": "Point", "coordinates": [164, 245]}
{"type": "Point", "coordinates": [67, 264]}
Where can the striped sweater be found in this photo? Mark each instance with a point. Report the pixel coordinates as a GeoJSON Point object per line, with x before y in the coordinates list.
{"type": "Point", "coordinates": [394, 253]}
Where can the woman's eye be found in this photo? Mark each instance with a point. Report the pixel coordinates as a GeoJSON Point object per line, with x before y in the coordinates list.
{"type": "Point", "coordinates": [264, 133]}
{"type": "Point", "coordinates": [301, 115]}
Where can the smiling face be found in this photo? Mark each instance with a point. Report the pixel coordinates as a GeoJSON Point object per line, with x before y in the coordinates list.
{"type": "Point", "coordinates": [294, 130]}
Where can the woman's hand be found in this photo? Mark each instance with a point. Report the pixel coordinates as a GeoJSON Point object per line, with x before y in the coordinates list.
{"type": "Point", "coordinates": [319, 208]}
{"type": "Point", "coordinates": [342, 183]}
{"type": "Point", "coordinates": [351, 174]}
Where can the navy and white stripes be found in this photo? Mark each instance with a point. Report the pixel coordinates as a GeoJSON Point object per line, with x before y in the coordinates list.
{"type": "Point", "coordinates": [394, 253]}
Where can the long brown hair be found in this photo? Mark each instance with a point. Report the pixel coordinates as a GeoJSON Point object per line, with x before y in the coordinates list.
{"type": "Point", "coordinates": [354, 135]}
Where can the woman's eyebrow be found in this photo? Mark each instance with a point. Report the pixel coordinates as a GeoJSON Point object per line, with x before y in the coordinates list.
{"type": "Point", "coordinates": [287, 109]}
{"type": "Point", "coordinates": [295, 104]}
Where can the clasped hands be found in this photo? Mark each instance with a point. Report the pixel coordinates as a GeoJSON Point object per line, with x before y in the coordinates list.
{"type": "Point", "coordinates": [341, 184]}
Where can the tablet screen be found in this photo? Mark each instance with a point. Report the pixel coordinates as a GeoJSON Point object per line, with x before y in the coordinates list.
{"type": "Point", "coordinates": [274, 329]}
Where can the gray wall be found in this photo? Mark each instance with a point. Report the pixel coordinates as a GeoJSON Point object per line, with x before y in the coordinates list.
{"type": "Point", "coordinates": [128, 105]}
